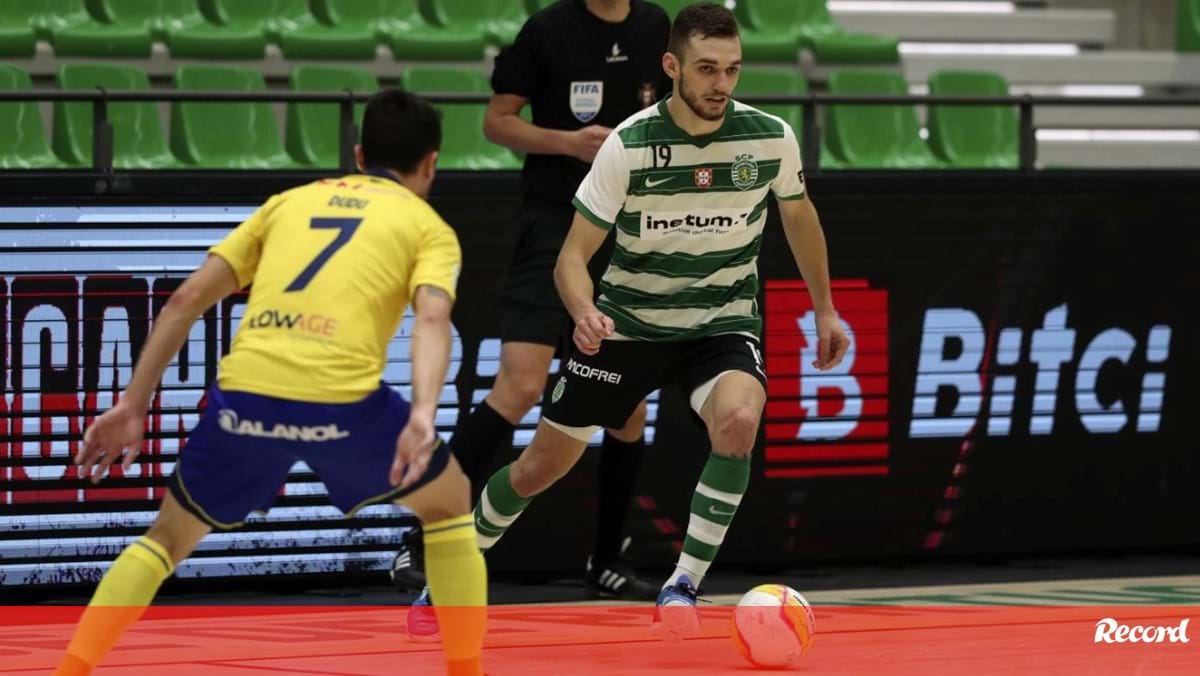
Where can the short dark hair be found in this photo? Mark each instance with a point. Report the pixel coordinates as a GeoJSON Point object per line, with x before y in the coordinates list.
{"type": "Point", "coordinates": [704, 19]}
{"type": "Point", "coordinates": [399, 129]}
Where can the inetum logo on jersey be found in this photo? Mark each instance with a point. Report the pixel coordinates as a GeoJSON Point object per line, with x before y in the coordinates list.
{"type": "Point", "coordinates": [831, 423]}
{"type": "Point", "coordinates": [1114, 378]}
{"type": "Point", "coordinates": [586, 99]}
{"type": "Point", "coordinates": [712, 223]}
{"type": "Point", "coordinates": [228, 421]}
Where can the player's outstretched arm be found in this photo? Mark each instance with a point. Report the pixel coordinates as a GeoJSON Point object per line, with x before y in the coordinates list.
{"type": "Point", "coordinates": [430, 362]}
{"type": "Point", "coordinates": [119, 430]}
{"type": "Point", "coordinates": [575, 284]}
{"type": "Point", "coordinates": [806, 238]}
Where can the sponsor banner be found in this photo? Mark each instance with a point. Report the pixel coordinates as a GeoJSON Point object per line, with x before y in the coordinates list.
{"type": "Point", "coordinates": [826, 423]}
{"type": "Point", "coordinates": [1019, 381]}
{"type": "Point", "coordinates": [79, 291]}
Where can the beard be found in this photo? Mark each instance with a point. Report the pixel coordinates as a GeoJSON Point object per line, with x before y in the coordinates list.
{"type": "Point", "coordinates": [696, 102]}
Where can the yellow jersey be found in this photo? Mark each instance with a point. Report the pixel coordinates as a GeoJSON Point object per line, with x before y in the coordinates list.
{"type": "Point", "coordinates": [333, 266]}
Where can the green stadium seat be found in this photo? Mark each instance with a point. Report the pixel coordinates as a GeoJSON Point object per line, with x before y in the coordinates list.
{"type": "Point", "coordinates": [225, 135]}
{"type": "Point", "coordinates": [973, 136]}
{"type": "Point", "coordinates": [856, 49]}
{"type": "Point", "coordinates": [770, 27]}
{"type": "Point", "coordinates": [313, 131]}
{"type": "Point", "coordinates": [507, 17]}
{"type": "Point", "coordinates": [412, 35]}
{"type": "Point", "coordinates": [460, 18]}
{"type": "Point", "coordinates": [17, 42]}
{"type": "Point", "coordinates": [43, 16]}
{"type": "Point", "coordinates": [782, 82]}
{"type": "Point", "coordinates": [346, 29]}
{"type": "Point", "coordinates": [103, 35]}
{"type": "Point", "coordinates": [178, 15]}
{"type": "Point", "coordinates": [463, 143]}
{"type": "Point", "coordinates": [21, 13]}
{"type": "Point", "coordinates": [17, 36]}
{"type": "Point", "coordinates": [242, 29]}
{"type": "Point", "coordinates": [138, 141]}
{"type": "Point", "coordinates": [771, 31]}
{"type": "Point", "coordinates": [23, 145]}
{"type": "Point", "coordinates": [1187, 26]}
{"type": "Point", "coordinates": [759, 81]}
{"type": "Point", "coordinates": [160, 17]}
{"type": "Point", "coordinates": [875, 136]}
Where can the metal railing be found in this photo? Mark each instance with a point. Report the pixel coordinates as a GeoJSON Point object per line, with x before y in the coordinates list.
{"type": "Point", "coordinates": [102, 139]}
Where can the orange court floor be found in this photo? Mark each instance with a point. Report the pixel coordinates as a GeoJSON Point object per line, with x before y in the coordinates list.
{"type": "Point", "coordinates": [1025, 627]}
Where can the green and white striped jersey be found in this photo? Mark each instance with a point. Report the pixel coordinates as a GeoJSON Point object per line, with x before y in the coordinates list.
{"type": "Point", "coordinates": [689, 213]}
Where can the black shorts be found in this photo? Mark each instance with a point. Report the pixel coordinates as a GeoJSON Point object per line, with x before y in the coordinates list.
{"type": "Point", "coordinates": [604, 389]}
{"type": "Point", "coordinates": [524, 323]}
{"type": "Point", "coordinates": [531, 310]}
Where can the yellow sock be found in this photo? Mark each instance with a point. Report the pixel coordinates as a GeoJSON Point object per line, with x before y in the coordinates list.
{"type": "Point", "coordinates": [458, 583]}
{"type": "Point", "coordinates": [124, 592]}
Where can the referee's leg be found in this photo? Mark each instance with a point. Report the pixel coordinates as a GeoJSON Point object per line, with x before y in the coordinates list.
{"type": "Point", "coordinates": [520, 382]}
{"type": "Point", "coordinates": [480, 437]}
{"type": "Point", "coordinates": [619, 466]}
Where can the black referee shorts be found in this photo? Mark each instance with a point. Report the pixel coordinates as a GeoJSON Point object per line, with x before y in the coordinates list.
{"type": "Point", "coordinates": [530, 308]}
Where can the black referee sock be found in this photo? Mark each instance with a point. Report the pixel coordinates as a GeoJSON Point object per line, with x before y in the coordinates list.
{"type": "Point", "coordinates": [620, 463]}
{"type": "Point", "coordinates": [476, 440]}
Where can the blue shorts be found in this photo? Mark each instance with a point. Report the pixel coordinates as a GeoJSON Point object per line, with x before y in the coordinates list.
{"type": "Point", "coordinates": [238, 456]}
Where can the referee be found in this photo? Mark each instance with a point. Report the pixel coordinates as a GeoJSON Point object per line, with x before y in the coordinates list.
{"type": "Point", "coordinates": [583, 66]}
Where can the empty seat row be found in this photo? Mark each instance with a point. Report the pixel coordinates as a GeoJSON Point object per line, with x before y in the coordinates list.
{"type": "Point", "coordinates": [227, 135]}
{"type": "Point", "coordinates": [889, 136]}
{"type": "Point", "coordinates": [776, 30]}
{"type": "Point", "coordinates": [772, 30]}
{"type": "Point", "coordinates": [246, 135]}
{"type": "Point", "coordinates": [241, 29]}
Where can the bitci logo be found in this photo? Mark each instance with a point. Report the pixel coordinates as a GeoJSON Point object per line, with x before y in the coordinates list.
{"type": "Point", "coordinates": [832, 423]}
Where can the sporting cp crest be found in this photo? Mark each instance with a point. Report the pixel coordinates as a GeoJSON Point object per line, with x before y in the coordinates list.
{"type": "Point", "coordinates": [704, 177]}
{"type": "Point", "coordinates": [745, 172]}
{"type": "Point", "coordinates": [559, 388]}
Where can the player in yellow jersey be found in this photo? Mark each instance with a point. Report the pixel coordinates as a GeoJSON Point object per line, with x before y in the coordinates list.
{"type": "Point", "coordinates": [333, 266]}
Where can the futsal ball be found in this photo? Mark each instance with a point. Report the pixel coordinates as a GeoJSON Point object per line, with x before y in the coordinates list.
{"type": "Point", "coordinates": [772, 626]}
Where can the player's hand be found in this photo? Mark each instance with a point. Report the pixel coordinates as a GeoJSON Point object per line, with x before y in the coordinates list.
{"type": "Point", "coordinates": [116, 433]}
{"type": "Point", "coordinates": [832, 341]}
{"type": "Point", "coordinates": [591, 329]}
{"type": "Point", "coordinates": [414, 449]}
{"type": "Point", "coordinates": [585, 143]}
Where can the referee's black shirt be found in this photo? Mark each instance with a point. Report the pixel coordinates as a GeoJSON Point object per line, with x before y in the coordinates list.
{"type": "Point", "coordinates": [560, 56]}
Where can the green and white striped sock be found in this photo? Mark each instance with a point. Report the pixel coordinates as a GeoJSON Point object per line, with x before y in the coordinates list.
{"type": "Point", "coordinates": [722, 484]}
{"type": "Point", "coordinates": [498, 507]}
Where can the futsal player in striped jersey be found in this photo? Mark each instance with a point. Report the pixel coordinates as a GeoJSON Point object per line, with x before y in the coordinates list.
{"type": "Point", "coordinates": [333, 264]}
{"type": "Point", "coordinates": [685, 184]}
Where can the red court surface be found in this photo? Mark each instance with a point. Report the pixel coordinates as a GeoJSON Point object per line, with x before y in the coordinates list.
{"type": "Point", "coordinates": [591, 639]}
